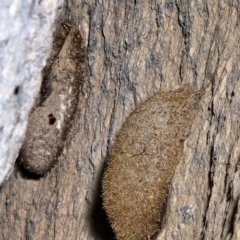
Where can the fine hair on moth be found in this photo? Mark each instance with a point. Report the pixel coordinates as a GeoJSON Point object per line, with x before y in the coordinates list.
{"type": "Point", "coordinates": [143, 160]}
{"type": "Point", "coordinates": [53, 112]}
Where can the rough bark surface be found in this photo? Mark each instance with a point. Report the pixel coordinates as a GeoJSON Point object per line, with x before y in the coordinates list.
{"type": "Point", "coordinates": [135, 49]}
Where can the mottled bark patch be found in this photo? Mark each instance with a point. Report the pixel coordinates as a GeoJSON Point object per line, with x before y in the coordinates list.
{"type": "Point", "coordinates": [51, 117]}
{"type": "Point", "coordinates": [143, 159]}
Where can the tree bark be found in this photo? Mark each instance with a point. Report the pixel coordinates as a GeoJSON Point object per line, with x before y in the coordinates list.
{"type": "Point", "coordinates": [26, 33]}
{"type": "Point", "coordinates": [135, 49]}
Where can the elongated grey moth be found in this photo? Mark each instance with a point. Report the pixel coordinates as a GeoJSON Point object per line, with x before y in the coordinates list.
{"type": "Point", "coordinates": [54, 109]}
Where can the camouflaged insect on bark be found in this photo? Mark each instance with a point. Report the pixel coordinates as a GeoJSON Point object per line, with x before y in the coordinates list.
{"type": "Point", "coordinates": [143, 159]}
{"type": "Point", "coordinates": [51, 117]}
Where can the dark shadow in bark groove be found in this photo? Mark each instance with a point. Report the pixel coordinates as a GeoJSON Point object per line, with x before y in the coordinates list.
{"type": "Point", "coordinates": [100, 226]}
{"type": "Point", "coordinates": [25, 174]}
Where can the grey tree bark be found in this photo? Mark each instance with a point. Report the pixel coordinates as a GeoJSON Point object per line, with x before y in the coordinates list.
{"type": "Point", "coordinates": [25, 41]}
{"type": "Point", "coordinates": [135, 49]}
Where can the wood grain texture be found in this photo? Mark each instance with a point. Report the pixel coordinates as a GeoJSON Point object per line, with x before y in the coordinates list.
{"type": "Point", "coordinates": [136, 49]}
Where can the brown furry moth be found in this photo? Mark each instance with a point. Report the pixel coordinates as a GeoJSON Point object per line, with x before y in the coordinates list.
{"type": "Point", "coordinates": [143, 159]}
{"type": "Point", "coordinates": [51, 116]}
